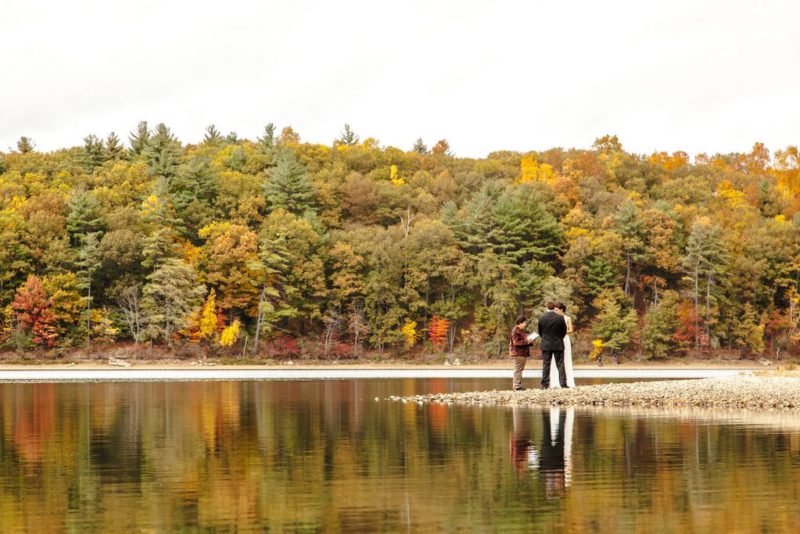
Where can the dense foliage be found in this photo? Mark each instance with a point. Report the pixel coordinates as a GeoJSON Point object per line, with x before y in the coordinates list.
{"type": "Point", "coordinates": [353, 247]}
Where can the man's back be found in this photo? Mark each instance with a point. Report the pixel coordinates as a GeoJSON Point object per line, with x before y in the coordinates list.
{"type": "Point", "coordinates": [552, 328]}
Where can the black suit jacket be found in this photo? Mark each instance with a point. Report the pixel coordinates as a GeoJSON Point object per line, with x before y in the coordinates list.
{"type": "Point", "coordinates": [552, 328]}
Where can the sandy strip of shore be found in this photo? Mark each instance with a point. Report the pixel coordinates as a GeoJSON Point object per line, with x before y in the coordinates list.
{"type": "Point", "coordinates": [745, 391]}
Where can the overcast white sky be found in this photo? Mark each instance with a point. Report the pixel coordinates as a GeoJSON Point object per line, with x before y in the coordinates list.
{"type": "Point", "coordinates": [694, 75]}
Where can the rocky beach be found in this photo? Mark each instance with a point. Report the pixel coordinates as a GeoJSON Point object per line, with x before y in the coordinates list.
{"type": "Point", "coordinates": [745, 392]}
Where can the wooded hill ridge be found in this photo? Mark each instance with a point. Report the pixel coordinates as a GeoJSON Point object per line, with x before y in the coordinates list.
{"type": "Point", "coordinates": [282, 248]}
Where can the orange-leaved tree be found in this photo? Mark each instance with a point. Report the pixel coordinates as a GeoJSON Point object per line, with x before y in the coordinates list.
{"type": "Point", "coordinates": [33, 311]}
{"type": "Point", "coordinates": [437, 331]}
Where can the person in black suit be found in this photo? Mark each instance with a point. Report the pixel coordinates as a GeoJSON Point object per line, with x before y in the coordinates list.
{"type": "Point", "coordinates": [552, 329]}
{"type": "Point", "coordinates": [552, 464]}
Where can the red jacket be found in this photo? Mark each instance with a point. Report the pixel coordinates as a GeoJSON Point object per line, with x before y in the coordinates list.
{"type": "Point", "coordinates": [519, 346]}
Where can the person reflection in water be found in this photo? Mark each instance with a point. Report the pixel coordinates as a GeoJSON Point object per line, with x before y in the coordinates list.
{"type": "Point", "coordinates": [523, 453]}
{"type": "Point", "coordinates": [553, 460]}
{"type": "Point", "coordinates": [552, 464]}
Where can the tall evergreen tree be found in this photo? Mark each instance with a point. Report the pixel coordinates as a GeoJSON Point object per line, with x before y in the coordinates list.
{"type": "Point", "coordinates": [274, 289]}
{"type": "Point", "coordinates": [113, 149]}
{"type": "Point", "coordinates": [93, 154]}
{"type": "Point", "coordinates": [25, 145]}
{"type": "Point", "coordinates": [660, 324]}
{"type": "Point", "coordinates": [420, 147]}
{"type": "Point", "coordinates": [287, 186]}
{"type": "Point", "coordinates": [162, 227]}
{"type": "Point", "coordinates": [212, 137]}
{"type": "Point", "coordinates": [85, 215]}
{"type": "Point", "coordinates": [194, 192]}
{"type": "Point", "coordinates": [139, 139]}
{"type": "Point", "coordinates": [513, 224]}
{"type": "Point", "coordinates": [267, 141]}
{"type": "Point", "coordinates": [523, 229]}
{"type": "Point", "coordinates": [88, 264]}
{"type": "Point", "coordinates": [348, 137]}
{"type": "Point", "coordinates": [163, 153]}
{"type": "Point", "coordinates": [629, 225]}
{"type": "Point", "coordinates": [704, 260]}
{"type": "Point", "coordinates": [616, 321]}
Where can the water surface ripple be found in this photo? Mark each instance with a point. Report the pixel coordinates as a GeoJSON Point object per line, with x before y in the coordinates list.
{"type": "Point", "coordinates": [324, 455]}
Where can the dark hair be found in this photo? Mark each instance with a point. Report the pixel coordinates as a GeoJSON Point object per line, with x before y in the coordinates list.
{"type": "Point", "coordinates": [521, 319]}
{"type": "Point", "coordinates": [561, 306]}
{"type": "Point", "coordinates": [550, 305]}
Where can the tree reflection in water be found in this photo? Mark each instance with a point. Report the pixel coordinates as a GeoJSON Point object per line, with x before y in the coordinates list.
{"type": "Point", "coordinates": [326, 455]}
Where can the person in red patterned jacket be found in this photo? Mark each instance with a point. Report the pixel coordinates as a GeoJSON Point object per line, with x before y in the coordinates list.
{"type": "Point", "coordinates": [519, 349]}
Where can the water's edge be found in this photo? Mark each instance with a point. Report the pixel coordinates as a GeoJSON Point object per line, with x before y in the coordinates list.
{"type": "Point", "coordinates": [171, 375]}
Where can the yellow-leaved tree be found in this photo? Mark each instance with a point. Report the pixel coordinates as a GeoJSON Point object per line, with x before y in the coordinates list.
{"type": "Point", "coordinates": [410, 333]}
{"type": "Point", "coordinates": [230, 334]}
{"type": "Point", "coordinates": [208, 317]}
{"type": "Point", "coordinates": [533, 171]}
{"type": "Point", "coordinates": [394, 176]}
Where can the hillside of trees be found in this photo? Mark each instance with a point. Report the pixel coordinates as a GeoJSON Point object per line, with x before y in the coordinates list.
{"type": "Point", "coordinates": [278, 248]}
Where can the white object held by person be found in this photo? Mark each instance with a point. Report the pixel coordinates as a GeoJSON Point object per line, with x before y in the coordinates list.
{"type": "Point", "coordinates": [533, 336]}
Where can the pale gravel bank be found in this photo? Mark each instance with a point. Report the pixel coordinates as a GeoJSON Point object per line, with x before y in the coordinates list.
{"type": "Point", "coordinates": [748, 392]}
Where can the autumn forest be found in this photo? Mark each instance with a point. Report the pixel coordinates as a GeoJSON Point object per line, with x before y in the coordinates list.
{"type": "Point", "coordinates": [277, 248]}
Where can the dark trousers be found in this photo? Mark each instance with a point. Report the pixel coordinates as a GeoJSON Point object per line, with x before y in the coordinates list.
{"type": "Point", "coordinates": [548, 355]}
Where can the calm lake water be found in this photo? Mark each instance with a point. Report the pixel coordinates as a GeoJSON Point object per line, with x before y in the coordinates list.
{"type": "Point", "coordinates": [308, 456]}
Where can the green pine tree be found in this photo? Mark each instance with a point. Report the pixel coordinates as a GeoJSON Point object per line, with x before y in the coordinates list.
{"type": "Point", "coordinates": [139, 139]}
{"type": "Point", "coordinates": [660, 324]}
{"type": "Point", "coordinates": [93, 154]}
{"type": "Point", "coordinates": [193, 192]}
{"type": "Point", "coordinates": [348, 137]}
{"type": "Point", "coordinates": [267, 141]}
{"type": "Point", "coordinates": [287, 186]}
{"type": "Point", "coordinates": [162, 226]}
{"type": "Point", "coordinates": [85, 215]}
{"type": "Point", "coordinates": [88, 263]}
{"type": "Point", "coordinates": [212, 137]}
{"type": "Point", "coordinates": [420, 147]}
{"type": "Point", "coordinates": [114, 150]}
{"type": "Point", "coordinates": [25, 145]}
{"type": "Point", "coordinates": [163, 153]}
{"type": "Point", "coordinates": [615, 322]}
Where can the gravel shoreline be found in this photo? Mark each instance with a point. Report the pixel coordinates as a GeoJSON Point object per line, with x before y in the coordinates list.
{"type": "Point", "coordinates": [745, 392]}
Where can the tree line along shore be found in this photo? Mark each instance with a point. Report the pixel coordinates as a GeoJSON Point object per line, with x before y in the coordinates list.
{"type": "Point", "coordinates": [279, 248]}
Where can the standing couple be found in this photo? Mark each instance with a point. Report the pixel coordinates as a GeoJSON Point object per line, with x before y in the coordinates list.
{"type": "Point", "coordinates": [554, 328]}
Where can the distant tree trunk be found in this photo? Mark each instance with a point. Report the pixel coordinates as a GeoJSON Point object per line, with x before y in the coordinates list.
{"type": "Point", "coordinates": [259, 319]}
{"type": "Point", "coordinates": [407, 222]}
{"type": "Point", "coordinates": [129, 303]}
{"type": "Point", "coordinates": [17, 333]}
{"type": "Point", "coordinates": [696, 309]}
{"type": "Point", "coordinates": [89, 316]}
{"type": "Point", "coordinates": [357, 326]}
{"type": "Point", "coordinates": [627, 272]}
{"type": "Point", "coordinates": [709, 280]}
{"type": "Point", "coordinates": [451, 336]}
{"type": "Point", "coordinates": [332, 320]}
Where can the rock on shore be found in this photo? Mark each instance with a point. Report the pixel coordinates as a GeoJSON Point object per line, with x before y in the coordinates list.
{"type": "Point", "coordinates": [750, 392]}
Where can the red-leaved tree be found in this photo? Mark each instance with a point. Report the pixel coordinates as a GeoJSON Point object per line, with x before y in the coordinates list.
{"type": "Point", "coordinates": [33, 311]}
{"type": "Point", "coordinates": [437, 331]}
